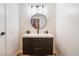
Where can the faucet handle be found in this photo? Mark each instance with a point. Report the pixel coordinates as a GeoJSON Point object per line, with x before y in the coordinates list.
{"type": "Point", "coordinates": [45, 32]}
{"type": "Point", "coordinates": [28, 32]}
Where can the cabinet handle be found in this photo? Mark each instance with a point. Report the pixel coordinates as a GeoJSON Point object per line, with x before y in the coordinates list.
{"type": "Point", "coordinates": [37, 48]}
{"type": "Point", "coordinates": [2, 33]}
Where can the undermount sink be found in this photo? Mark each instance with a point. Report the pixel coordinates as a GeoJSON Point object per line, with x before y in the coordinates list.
{"type": "Point", "coordinates": [38, 35]}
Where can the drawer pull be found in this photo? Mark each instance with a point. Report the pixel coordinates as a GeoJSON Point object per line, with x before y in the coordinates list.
{"type": "Point", "coordinates": [37, 48]}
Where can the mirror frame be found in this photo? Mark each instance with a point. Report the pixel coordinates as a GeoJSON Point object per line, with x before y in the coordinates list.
{"type": "Point", "coordinates": [41, 15]}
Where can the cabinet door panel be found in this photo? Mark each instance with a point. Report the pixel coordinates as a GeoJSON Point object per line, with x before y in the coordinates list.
{"type": "Point", "coordinates": [47, 46]}
{"type": "Point", "coordinates": [2, 29]}
{"type": "Point", "coordinates": [37, 46]}
{"type": "Point", "coordinates": [27, 46]}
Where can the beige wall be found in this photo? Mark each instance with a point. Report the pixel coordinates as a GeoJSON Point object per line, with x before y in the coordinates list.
{"type": "Point", "coordinates": [25, 17]}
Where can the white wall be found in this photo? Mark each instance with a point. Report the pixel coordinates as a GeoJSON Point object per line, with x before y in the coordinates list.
{"type": "Point", "coordinates": [25, 17]}
{"type": "Point", "coordinates": [67, 29]}
{"type": "Point", "coordinates": [12, 28]}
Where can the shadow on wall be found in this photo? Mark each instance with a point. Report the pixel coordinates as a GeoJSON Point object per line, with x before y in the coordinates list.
{"type": "Point", "coordinates": [58, 50]}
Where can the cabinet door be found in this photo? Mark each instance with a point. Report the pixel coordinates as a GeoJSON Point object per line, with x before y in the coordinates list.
{"type": "Point", "coordinates": [47, 46]}
{"type": "Point", "coordinates": [32, 46]}
{"type": "Point", "coordinates": [42, 46]}
{"type": "Point", "coordinates": [27, 45]}
{"type": "Point", "coordinates": [37, 46]}
{"type": "Point", "coordinates": [2, 30]}
{"type": "Point", "coordinates": [12, 28]}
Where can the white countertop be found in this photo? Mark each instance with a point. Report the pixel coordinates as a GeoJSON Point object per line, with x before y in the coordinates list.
{"type": "Point", "coordinates": [38, 35]}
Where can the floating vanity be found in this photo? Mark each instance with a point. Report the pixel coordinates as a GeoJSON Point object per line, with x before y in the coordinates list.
{"type": "Point", "coordinates": [38, 44]}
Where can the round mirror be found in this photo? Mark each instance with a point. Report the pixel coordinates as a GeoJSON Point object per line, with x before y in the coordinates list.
{"type": "Point", "coordinates": [38, 21]}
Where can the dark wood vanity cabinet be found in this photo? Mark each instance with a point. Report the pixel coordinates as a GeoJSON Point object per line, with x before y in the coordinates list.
{"type": "Point", "coordinates": [38, 46]}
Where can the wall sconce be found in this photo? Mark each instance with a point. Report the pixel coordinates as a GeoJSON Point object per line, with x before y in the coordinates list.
{"type": "Point", "coordinates": [37, 6]}
{"type": "Point", "coordinates": [42, 6]}
{"type": "Point", "coordinates": [31, 6]}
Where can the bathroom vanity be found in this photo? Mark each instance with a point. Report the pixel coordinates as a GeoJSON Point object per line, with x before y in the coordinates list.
{"type": "Point", "coordinates": [37, 44]}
